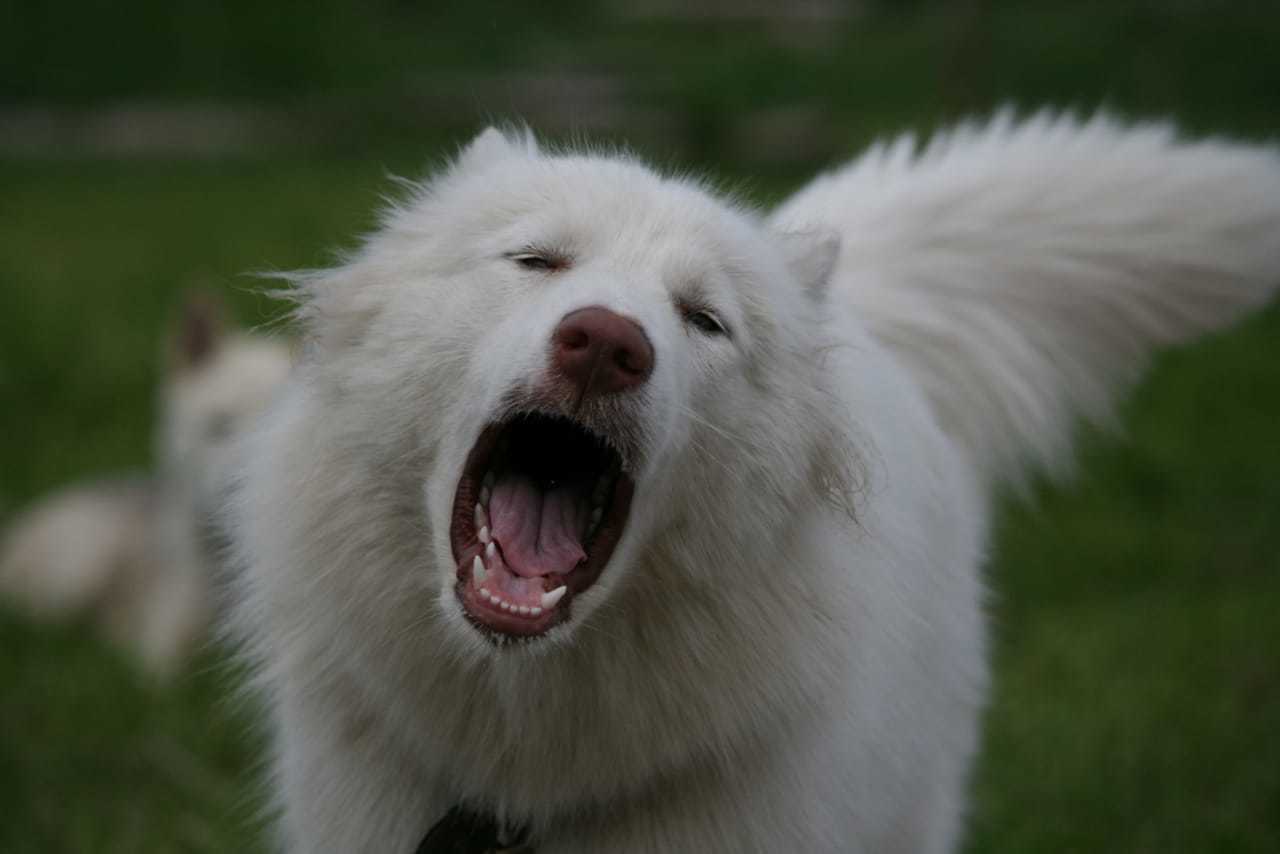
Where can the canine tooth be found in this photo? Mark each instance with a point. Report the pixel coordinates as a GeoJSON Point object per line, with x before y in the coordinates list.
{"type": "Point", "coordinates": [484, 534]}
{"type": "Point", "coordinates": [484, 496]}
{"type": "Point", "coordinates": [491, 550]}
{"type": "Point", "coordinates": [477, 570]}
{"type": "Point", "coordinates": [549, 600]}
{"type": "Point", "coordinates": [481, 521]}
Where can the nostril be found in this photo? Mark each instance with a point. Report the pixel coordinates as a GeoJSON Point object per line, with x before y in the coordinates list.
{"type": "Point", "coordinates": [574, 338]}
{"type": "Point", "coordinates": [629, 362]}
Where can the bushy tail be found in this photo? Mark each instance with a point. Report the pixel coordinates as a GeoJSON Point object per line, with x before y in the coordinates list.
{"type": "Point", "coordinates": [1024, 271]}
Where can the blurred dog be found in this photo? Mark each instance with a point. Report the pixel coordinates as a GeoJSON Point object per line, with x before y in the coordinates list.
{"type": "Point", "coordinates": [619, 513]}
{"type": "Point", "coordinates": [137, 553]}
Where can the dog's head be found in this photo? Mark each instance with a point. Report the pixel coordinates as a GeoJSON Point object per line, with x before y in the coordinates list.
{"type": "Point", "coordinates": [218, 383]}
{"type": "Point", "coordinates": [580, 363]}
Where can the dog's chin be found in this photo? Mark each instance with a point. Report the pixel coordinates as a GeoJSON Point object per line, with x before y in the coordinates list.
{"type": "Point", "coordinates": [538, 512]}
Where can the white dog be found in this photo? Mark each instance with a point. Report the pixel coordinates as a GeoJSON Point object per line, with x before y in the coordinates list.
{"type": "Point", "coordinates": [608, 513]}
{"type": "Point", "coordinates": [135, 554]}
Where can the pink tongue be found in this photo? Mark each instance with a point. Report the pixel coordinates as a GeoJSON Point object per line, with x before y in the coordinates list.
{"type": "Point", "coordinates": [539, 531]}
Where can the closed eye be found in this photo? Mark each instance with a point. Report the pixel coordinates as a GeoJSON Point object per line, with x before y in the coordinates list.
{"type": "Point", "coordinates": [704, 320]}
{"type": "Point", "coordinates": [539, 261]}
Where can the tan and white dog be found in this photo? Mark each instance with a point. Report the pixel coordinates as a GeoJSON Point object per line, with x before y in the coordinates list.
{"type": "Point", "coordinates": [613, 510]}
{"type": "Point", "coordinates": [137, 553]}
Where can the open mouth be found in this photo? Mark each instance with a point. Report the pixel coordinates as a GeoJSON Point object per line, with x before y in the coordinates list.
{"type": "Point", "coordinates": [539, 508]}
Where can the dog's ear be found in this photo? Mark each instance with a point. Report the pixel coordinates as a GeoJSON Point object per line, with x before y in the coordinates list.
{"type": "Point", "coordinates": [198, 330]}
{"type": "Point", "coordinates": [811, 257]}
{"type": "Point", "coordinates": [493, 146]}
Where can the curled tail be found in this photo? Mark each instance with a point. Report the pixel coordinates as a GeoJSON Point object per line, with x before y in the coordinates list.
{"type": "Point", "coordinates": [1025, 271]}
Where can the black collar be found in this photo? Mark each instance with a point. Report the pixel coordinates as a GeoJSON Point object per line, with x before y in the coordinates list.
{"type": "Point", "coordinates": [462, 831]}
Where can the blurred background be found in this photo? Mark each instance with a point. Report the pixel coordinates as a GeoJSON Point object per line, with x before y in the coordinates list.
{"type": "Point", "coordinates": [148, 147]}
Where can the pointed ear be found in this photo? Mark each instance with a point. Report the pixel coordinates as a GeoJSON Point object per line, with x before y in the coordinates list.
{"type": "Point", "coordinates": [492, 146]}
{"type": "Point", "coordinates": [811, 257]}
{"type": "Point", "coordinates": [198, 331]}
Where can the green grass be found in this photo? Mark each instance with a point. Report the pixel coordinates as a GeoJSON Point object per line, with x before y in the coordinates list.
{"type": "Point", "coordinates": [93, 759]}
{"type": "Point", "coordinates": [93, 257]}
{"type": "Point", "coordinates": [1137, 681]}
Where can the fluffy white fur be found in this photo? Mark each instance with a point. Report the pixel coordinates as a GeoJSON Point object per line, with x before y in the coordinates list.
{"type": "Point", "coordinates": [786, 651]}
{"type": "Point", "coordinates": [134, 553]}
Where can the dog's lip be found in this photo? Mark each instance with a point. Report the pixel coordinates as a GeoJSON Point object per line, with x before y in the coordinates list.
{"type": "Point", "coordinates": [489, 617]}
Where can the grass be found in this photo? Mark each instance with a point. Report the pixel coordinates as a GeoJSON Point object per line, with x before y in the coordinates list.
{"type": "Point", "coordinates": [93, 759]}
{"type": "Point", "coordinates": [1138, 690]}
{"type": "Point", "coordinates": [92, 258]}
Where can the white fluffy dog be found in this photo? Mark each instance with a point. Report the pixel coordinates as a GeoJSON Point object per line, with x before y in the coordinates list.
{"type": "Point", "coordinates": [608, 513]}
{"type": "Point", "coordinates": [136, 554]}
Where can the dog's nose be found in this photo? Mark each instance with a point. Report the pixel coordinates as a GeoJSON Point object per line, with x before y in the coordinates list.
{"type": "Point", "coordinates": [600, 351]}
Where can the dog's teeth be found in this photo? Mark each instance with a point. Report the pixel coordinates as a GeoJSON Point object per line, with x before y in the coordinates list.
{"type": "Point", "coordinates": [484, 534]}
{"type": "Point", "coordinates": [488, 482]}
{"type": "Point", "coordinates": [484, 496]}
{"type": "Point", "coordinates": [481, 521]}
{"type": "Point", "coordinates": [491, 550]}
{"type": "Point", "coordinates": [549, 600]}
{"type": "Point", "coordinates": [535, 611]}
{"type": "Point", "coordinates": [477, 570]}
{"type": "Point", "coordinates": [494, 599]}
{"type": "Point", "coordinates": [524, 610]}
{"type": "Point", "coordinates": [507, 606]}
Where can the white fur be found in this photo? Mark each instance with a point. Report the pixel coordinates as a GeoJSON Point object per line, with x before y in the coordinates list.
{"type": "Point", "coordinates": [133, 553]}
{"type": "Point", "coordinates": [1024, 273]}
{"type": "Point", "coordinates": [786, 651]}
